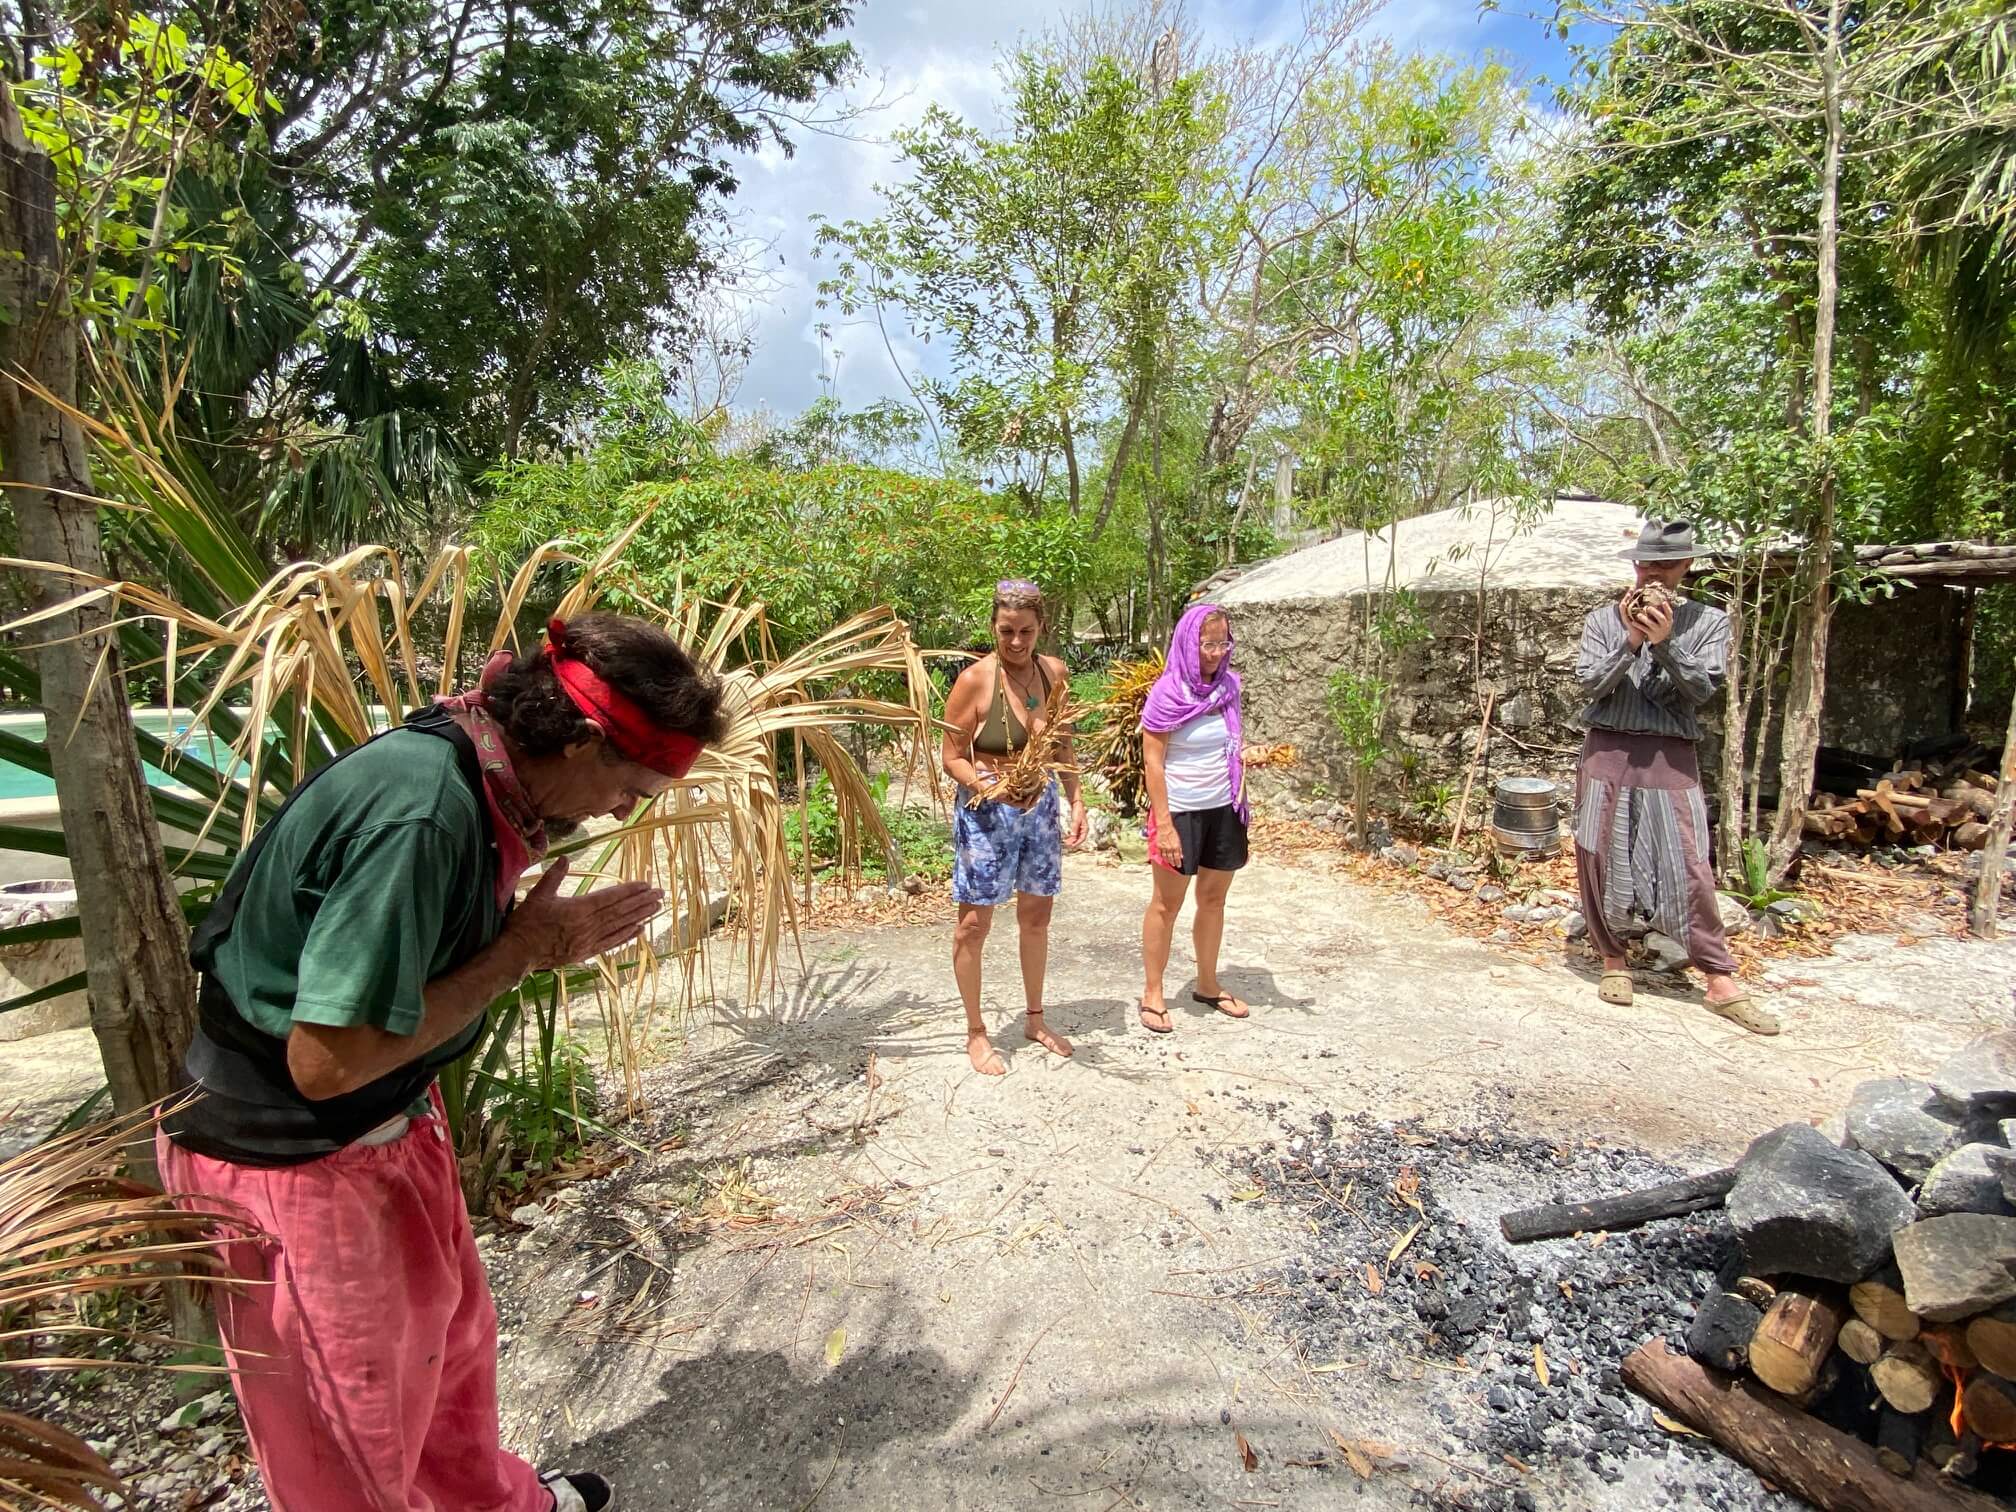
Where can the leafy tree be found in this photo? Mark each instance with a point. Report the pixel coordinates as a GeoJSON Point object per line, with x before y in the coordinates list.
{"type": "Point", "coordinates": [1048, 258]}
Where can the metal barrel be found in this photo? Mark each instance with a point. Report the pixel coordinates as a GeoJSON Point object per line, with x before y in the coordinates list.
{"type": "Point", "coordinates": [1526, 816]}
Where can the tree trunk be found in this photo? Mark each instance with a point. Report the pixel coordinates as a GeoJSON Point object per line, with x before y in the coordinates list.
{"type": "Point", "coordinates": [1988, 889]}
{"type": "Point", "coordinates": [143, 1002]}
{"type": "Point", "coordinates": [1804, 701]}
{"type": "Point", "coordinates": [1735, 728]}
{"type": "Point", "coordinates": [1118, 467]}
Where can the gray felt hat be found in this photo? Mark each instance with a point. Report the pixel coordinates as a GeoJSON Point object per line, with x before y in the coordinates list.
{"type": "Point", "coordinates": [1663, 541]}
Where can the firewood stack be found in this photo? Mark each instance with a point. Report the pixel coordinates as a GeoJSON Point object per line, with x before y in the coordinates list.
{"type": "Point", "coordinates": [1926, 802]}
{"type": "Point", "coordinates": [1874, 1284]}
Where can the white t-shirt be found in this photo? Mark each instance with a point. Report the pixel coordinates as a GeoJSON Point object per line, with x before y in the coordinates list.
{"type": "Point", "coordinates": [1198, 768]}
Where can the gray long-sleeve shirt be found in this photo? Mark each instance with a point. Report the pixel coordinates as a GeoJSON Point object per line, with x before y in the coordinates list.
{"type": "Point", "coordinates": [1653, 690]}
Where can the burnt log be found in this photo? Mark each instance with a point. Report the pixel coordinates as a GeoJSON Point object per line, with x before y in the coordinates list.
{"type": "Point", "coordinates": [1722, 1331]}
{"type": "Point", "coordinates": [1558, 1220]}
{"type": "Point", "coordinates": [1785, 1446]}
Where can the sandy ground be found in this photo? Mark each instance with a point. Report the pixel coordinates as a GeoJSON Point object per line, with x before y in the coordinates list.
{"type": "Point", "coordinates": [976, 1292]}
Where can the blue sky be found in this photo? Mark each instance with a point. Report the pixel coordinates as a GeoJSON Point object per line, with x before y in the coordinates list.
{"type": "Point", "coordinates": [920, 52]}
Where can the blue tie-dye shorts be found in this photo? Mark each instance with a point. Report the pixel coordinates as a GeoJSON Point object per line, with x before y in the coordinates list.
{"type": "Point", "coordinates": [1000, 850]}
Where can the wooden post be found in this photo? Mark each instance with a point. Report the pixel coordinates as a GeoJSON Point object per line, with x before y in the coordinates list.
{"type": "Point", "coordinates": [1786, 1446]}
{"type": "Point", "coordinates": [1483, 738]}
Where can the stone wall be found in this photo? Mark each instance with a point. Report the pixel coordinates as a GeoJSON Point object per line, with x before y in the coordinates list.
{"type": "Point", "coordinates": [1892, 675]}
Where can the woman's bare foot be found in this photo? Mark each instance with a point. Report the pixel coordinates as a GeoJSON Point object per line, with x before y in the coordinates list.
{"type": "Point", "coordinates": [1034, 1028]}
{"type": "Point", "coordinates": [980, 1050]}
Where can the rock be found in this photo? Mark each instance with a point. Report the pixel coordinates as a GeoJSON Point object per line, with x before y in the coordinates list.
{"type": "Point", "coordinates": [1957, 1265]}
{"type": "Point", "coordinates": [1378, 835]}
{"type": "Point", "coordinates": [1545, 913]}
{"type": "Point", "coordinates": [1098, 829]}
{"type": "Point", "coordinates": [1805, 1206]}
{"type": "Point", "coordinates": [1968, 1181]}
{"type": "Point", "coordinates": [1795, 910]}
{"type": "Point", "coordinates": [1502, 936]}
{"type": "Point", "coordinates": [1981, 1079]}
{"type": "Point", "coordinates": [1667, 954]}
{"type": "Point", "coordinates": [1401, 854]}
{"type": "Point", "coordinates": [1130, 844]}
{"type": "Point", "coordinates": [1735, 914]}
{"type": "Point", "coordinates": [1462, 881]}
{"type": "Point", "coordinates": [1768, 926]}
{"type": "Point", "coordinates": [1575, 926]}
{"type": "Point", "coordinates": [527, 1215]}
{"type": "Point", "coordinates": [1517, 913]}
{"type": "Point", "coordinates": [1904, 1124]}
{"type": "Point", "coordinates": [2007, 1127]}
{"type": "Point", "coordinates": [1560, 897]}
{"type": "Point", "coordinates": [1490, 893]}
{"type": "Point", "coordinates": [914, 883]}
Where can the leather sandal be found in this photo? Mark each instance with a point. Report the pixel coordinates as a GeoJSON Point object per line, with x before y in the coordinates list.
{"type": "Point", "coordinates": [1615, 988]}
{"type": "Point", "coordinates": [1165, 1027]}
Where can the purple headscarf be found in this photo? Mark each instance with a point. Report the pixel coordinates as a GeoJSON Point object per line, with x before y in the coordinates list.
{"type": "Point", "coordinates": [1182, 694]}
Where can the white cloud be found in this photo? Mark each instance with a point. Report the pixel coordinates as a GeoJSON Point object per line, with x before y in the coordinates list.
{"type": "Point", "coordinates": [946, 53]}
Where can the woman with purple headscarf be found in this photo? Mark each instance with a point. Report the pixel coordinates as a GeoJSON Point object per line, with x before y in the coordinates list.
{"type": "Point", "coordinates": [1193, 742]}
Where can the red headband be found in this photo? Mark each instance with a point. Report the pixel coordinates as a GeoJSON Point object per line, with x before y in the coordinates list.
{"type": "Point", "coordinates": [629, 730]}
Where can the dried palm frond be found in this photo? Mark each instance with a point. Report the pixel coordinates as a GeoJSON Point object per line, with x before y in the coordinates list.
{"type": "Point", "coordinates": [323, 648]}
{"type": "Point", "coordinates": [1115, 751]}
{"type": "Point", "coordinates": [74, 1232]}
{"type": "Point", "coordinates": [1021, 779]}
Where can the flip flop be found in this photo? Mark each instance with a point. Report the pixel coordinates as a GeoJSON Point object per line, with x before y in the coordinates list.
{"type": "Point", "coordinates": [1219, 1003]}
{"type": "Point", "coordinates": [1615, 988]}
{"type": "Point", "coordinates": [1745, 1014]}
{"type": "Point", "coordinates": [1162, 1013]}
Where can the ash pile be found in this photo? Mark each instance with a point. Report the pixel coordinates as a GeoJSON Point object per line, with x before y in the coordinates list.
{"type": "Point", "coordinates": [1514, 1352]}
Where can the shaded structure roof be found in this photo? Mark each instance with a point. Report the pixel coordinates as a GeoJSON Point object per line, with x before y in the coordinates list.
{"type": "Point", "coordinates": [1569, 543]}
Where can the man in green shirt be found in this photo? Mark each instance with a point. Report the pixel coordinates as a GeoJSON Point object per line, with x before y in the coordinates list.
{"type": "Point", "coordinates": [350, 956]}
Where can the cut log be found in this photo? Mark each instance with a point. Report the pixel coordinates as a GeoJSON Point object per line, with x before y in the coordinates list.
{"type": "Point", "coordinates": [1627, 1210]}
{"type": "Point", "coordinates": [1992, 1337]}
{"type": "Point", "coordinates": [1794, 1340]}
{"type": "Point", "coordinates": [1907, 1376]}
{"type": "Point", "coordinates": [1900, 1439]}
{"type": "Point", "coordinates": [1988, 1406]}
{"type": "Point", "coordinates": [1949, 1346]}
{"type": "Point", "coordinates": [1971, 836]}
{"type": "Point", "coordinates": [1880, 1303]}
{"type": "Point", "coordinates": [1723, 1330]}
{"type": "Point", "coordinates": [1860, 1342]}
{"type": "Point", "coordinates": [1783, 1445]}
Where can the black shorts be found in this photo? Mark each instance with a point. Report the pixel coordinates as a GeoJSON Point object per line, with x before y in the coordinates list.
{"type": "Point", "coordinates": [1213, 838]}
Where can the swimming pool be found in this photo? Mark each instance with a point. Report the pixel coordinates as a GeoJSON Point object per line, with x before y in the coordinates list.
{"type": "Point", "coordinates": [19, 783]}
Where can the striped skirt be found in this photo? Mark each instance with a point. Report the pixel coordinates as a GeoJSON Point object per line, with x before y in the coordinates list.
{"type": "Point", "coordinates": [1641, 831]}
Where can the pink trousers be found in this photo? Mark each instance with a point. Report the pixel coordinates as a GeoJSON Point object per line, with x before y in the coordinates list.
{"type": "Point", "coordinates": [363, 1345]}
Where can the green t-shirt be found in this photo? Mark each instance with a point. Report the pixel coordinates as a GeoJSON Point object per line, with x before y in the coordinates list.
{"type": "Point", "coordinates": [374, 883]}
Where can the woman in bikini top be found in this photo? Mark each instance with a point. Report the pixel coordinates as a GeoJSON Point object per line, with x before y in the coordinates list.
{"type": "Point", "coordinates": [1002, 734]}
{"type": "Point", "coordinates": [1003, 853]}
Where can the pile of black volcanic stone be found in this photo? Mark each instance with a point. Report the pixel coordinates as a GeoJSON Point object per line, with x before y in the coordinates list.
{"type": "Point", "coordinates": [1460, 1294]}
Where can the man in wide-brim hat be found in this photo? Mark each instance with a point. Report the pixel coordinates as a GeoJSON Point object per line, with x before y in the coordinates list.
{"type": "Point", "coordinates": [1647, 665]}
